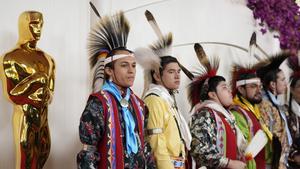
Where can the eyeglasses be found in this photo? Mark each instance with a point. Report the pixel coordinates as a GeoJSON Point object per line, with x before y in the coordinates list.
{"type": "Point", "coordinates": [254, 86]}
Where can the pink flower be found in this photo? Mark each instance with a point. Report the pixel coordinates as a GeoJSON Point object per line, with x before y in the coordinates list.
{"type": "Point", "coordinates": [281, 16]}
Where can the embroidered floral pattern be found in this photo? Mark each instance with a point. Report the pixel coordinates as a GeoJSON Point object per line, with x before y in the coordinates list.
{"type": "Point", "coordinates": [91, 129]}
{"type": "Point", "coordinates": [204, 140]}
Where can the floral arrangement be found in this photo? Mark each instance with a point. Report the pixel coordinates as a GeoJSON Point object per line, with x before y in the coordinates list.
{"type": "Point", "coordinates": [279, 15]}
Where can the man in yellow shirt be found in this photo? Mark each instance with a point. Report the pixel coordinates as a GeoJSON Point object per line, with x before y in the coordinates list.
{"type": "Point", "coordinates": [167, 130]}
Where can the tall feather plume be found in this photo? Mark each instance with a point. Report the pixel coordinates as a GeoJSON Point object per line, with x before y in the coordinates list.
{"type": "Point", "coordinates": [252, 46]}
{"type": "Point", "coordinates": [151, 20]}
{"type": "Point", "coordinates": [271, 63]}
{"type": "Point", "coordinates": [109, 33]}
{"type": "Point", "coordinates": [209, 69]}
{"type": "Point", "coordinates": [208, 64]}
{"type": "Point", "coordinates": [186, 71]}
{"type": "Point", "coordinates": [162, 47]}
{"type": "Point", "coordinates": [239, 69]}
{"type": "Point", "coordinates": [95, 9]}
{"type": "Point", "coordinates": [201, 55]}
{"type": "Point", "coordinates": [149, 61]}
{"type": "Point", "coordinates": [98, 76]}
{"type": "Point", "coordinates": [153, 23]}
{"type": "Point", "coordinates": [149, 58]}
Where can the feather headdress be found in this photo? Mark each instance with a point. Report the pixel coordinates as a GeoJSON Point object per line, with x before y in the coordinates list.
{"type": "Point", "coordinates": [270, 64]}
{"type": "Point", "coordinates": [151, 20]}
{"type": "Point", "coordinates": [198, 86]}
{"type": "Point", "coordinates": [162, 47]}
{"type": "Point", "coordinates": [150, 58]}
{"type": "Point", "coordinates": [108, 35]}
{"type": "Point", "coordinates": [242, 74]}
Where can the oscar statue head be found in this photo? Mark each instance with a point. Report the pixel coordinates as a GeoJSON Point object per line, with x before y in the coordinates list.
{"type": "Point", "coordinates": [30, 26]}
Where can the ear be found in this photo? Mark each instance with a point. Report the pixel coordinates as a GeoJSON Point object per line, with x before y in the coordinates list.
{"type": "Point", "coordinates": [212, 95]}
{"type": "Point", "coordinates": [273, 85]}
{"type": "Point", "coordinates": [241, 90]}
{"type": "Point", "coordinates": [108, 71]}
{"type": "Point", "coordinates": [156, 76]}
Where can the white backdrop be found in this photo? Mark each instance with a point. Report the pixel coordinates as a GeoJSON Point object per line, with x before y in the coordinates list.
{"type": "Point", "coordinates": [66, 26]}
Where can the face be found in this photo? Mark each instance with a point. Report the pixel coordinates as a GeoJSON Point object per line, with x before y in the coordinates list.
{"type": "Point", "coordinates": [296, 91]}
{"type": "Point", "coordinates": [35, 27]}
{"type": "Point", "coordinates": [252, 92]}
{"type": "Point", "coordinates": [30, 26]}
{"type": "Point", "coordinates": [281, 83]}
{"type": "Point", "coordinates": [223, 94]}
{"type": "Point", "coordinates": [123, 71]}
{"type": "Point", "coordinates": [170, 77]}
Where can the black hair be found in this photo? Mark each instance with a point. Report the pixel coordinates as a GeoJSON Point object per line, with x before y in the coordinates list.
{"type": "Point", "coordinates": [113, 52]}
{"type": "Point", "coordinates": [164, 61]}
{"type": "Point", "coordinates": [111, 64]}
{"type": "Point", "coordinates": [210, 85]}
{"type": "Point", "coordinates": [270, 76]}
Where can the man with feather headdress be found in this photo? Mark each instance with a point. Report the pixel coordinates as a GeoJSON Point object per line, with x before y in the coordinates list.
{"type": "Point", "coordinates": [246, 88]}
{"type": "Point", "coordinates": [216, 139]}
{"type": "Point", "coordinates": [112, 123]}
{"type": "Point", "coordinates": [168, 131]}
{"type": "Point", "coordinates": [273, 112]}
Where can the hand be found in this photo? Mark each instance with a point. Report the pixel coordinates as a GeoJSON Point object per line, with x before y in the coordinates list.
{"type": "Point", "coordinates": [235, 164]}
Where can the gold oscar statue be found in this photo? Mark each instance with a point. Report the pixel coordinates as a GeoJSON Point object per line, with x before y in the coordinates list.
{"type": "Point", "coordinates": [27, 74]}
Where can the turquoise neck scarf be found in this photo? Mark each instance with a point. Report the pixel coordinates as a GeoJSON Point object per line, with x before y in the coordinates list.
{"type": "Point", "coordinates": [131, 140]}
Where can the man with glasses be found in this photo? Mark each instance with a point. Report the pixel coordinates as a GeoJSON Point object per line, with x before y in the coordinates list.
{"type": "Point", "coordinates": [246, 87]}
